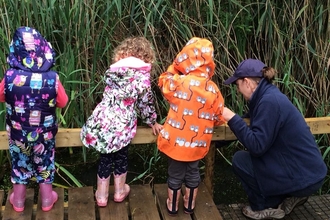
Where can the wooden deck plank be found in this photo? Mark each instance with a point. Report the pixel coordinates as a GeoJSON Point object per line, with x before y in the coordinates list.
{"type": "Point", "coordinates": [104, 212]}
{"type": "Point", "coordinates": [161, 197]}
{"type": "Point", "coordinates": [81, 203]}
{"type": "Point", "coordinates": [205, 208]}
{"type": "Point", "coordinates": [142, 203]}
{"type": "Point", "coordinates": [114, 210]}
{"type": "Point", "coordinates": [11, 214]}
{"type": "Point", "coordinates": [57, 212]}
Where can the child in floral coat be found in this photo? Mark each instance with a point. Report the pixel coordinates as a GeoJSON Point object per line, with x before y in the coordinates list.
{"type": "Point", "coordinates": [113, 123]}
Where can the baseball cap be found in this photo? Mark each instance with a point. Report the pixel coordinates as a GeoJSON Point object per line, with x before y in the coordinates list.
{"type": "Point", "coordinates": [247, 68]}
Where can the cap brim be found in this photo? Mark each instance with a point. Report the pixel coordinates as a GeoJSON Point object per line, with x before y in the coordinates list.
{"type": "Point", "coordinates": [230, 80]}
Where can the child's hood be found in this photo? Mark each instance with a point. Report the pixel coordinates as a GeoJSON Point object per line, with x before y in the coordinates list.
{"type": "Point", "coordinates": [125, 71]}
{"type": "Point", "coordinates": [131, 62]}
{"type": "Point", "coordinates": [30, 51]}
{"type": "Point", "coordinates": [196, 58]}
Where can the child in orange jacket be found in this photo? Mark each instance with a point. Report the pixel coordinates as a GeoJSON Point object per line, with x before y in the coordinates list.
{"type": "Point", "coordinates": [196, 106]}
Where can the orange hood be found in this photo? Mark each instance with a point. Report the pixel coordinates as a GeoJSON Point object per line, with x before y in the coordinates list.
{"type": "Point", "coordinates": [196, 58]}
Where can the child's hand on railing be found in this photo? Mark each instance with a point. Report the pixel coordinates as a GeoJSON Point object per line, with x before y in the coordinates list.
{"type": "Point", "coordinates": [156, 128]}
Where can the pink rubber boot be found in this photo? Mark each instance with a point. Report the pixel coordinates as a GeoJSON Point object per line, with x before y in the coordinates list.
{"type": "Point", "coordinates": [102, 191]}
{"type": "Point", "coordinates": [17, 197]}
{"type": "Point", "coordinates": [48, 196]}
{"type": "Point", "coordinates": [121, 188]}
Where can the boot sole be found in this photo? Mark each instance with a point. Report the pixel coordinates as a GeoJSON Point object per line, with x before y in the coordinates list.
{"type": "Point", "coordinates": [188, 211]}
{"type": "Point", "coordinates": [171, 213]}
{"type": "Point", "coordinates": [14, 207]}
{"type": "Point", "coordinates": [102, 204]}
{"type": "Point", "coordinates": [48, 208]}
{"type": "Point", "coordinates": [287, 212]}
{"type": "Point", "coordinates": [250, 214]}
{"type": "Point", "coordinates": [120, 200]}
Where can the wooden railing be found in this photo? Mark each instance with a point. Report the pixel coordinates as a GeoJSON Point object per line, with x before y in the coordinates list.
{"type": "Point", "coordinates": [70, 137]}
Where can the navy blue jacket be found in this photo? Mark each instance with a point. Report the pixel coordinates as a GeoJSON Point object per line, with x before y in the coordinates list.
{"type": "Point", "coordinates": [283, 150]}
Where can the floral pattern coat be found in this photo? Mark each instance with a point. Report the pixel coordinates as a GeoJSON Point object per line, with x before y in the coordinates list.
{"type": "Point", "coordinates": [113, 122]}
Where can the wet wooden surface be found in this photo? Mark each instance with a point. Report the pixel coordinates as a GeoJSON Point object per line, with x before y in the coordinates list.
{"type": "Point", "coordinates": [143, 203]}
{"type": "Point", "coordinates": [147, 203]}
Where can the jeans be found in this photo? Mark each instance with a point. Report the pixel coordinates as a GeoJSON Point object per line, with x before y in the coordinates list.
{"type": "Point", "coordinates": [243, 169]}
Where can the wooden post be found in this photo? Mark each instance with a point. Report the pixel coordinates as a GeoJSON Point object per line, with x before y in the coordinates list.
{"type": "Point", "coordinates": [209, 168]}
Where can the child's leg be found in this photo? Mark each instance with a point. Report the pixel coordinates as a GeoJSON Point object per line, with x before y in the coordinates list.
{"type": "Point", "coordinates": [176, 173]}
{"type": "Point", "coordinates": [103, 179]}
{"type": "Point", "coordinates": [121, 163]}
{"type": "Point", "coordinates": [44, 166]}
{"type": "Point", "coordinates": [20, 160]}
{"type": "Point", "coordinates": [192, 180]}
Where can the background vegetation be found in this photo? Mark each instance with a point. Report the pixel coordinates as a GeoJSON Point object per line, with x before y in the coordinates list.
{"type": "Point", "coordinates": [292, 36]}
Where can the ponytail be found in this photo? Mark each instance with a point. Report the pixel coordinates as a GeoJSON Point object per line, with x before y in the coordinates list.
{"type": "Point", "coordinates": [269, 73]}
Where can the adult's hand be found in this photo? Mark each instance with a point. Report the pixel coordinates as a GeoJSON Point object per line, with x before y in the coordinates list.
{"type": "Point", "coordinates": [227, 114]}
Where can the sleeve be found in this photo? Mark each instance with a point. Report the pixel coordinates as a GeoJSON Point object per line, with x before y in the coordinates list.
{"type": "Point", "coordinates": [145, 104]}
{"type": "Point", "coordinates": [146, 107]}
{"type": "Point", "coordinates": [168, 83]}
{"type": "Point", "coordinates": [2, 90]}
{"type": "Point", "coordinates": [220, 103]}
{"type": "Point", "coordinates": [166, 76]}
{"type": "Point", "coordinates": [62, 97]}
{"type": "Point", "coordinates": [259, 136]}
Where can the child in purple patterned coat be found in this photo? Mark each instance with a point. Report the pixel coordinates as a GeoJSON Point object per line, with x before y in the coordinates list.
{"type": "Point", "coordinates": [31, 91]}
{"type": "Point", "coordinates": [113, 123]}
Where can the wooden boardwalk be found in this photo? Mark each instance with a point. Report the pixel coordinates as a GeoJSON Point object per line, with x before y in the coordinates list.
{"type": "Point", "coordinates": [143, 203]}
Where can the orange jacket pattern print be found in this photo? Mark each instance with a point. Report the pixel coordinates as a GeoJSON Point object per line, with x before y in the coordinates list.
{"type": "Point", "coordinates": [196, 104]}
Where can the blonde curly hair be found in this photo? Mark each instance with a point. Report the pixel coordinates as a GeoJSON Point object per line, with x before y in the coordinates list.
{"type": "Point", "coordinates": [138, 47]}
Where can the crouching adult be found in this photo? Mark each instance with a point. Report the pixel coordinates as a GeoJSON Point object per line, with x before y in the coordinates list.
{"type": "Point", "coordinates": [282, 165]}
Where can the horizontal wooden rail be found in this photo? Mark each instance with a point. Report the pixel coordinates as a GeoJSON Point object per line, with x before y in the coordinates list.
{"type": "Point", "coordinates": [70, 137]}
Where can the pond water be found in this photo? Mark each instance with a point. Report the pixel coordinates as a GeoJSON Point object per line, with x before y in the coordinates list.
{"type": "Point", "coordinates": [227, 189]}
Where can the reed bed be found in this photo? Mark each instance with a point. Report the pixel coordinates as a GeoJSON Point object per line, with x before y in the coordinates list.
{"type": "Point", "coordinates": [292, 36]}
